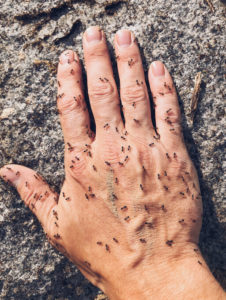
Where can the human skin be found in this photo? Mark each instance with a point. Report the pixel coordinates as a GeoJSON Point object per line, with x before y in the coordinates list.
{"type": "Point", "coordinates": [130, 210]}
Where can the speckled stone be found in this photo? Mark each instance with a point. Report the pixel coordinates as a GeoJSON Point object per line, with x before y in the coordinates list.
{"type": "Point", "coordinates": [186, 35]}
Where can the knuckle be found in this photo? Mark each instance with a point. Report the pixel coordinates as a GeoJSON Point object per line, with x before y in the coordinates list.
{"type": "Point", "coordinates": [165, 88]}
{"type": "Point", "coordinates": [174, 117]}
{"type": "Point", "coordinates": [102, 91]}
{"type": "Point", "coordinates": [96, 52]}
{"type": "Point", "coordinates": [76, 165]}
{"type": "Point", "coordinates": [130, 94]}
{"type": "Point", "coordinates": [33, 196]}
{"type": "Point", "coordinates": [29, 198]}
{"type": "Point", "coordinates": [66, 106]}
{"type": "Point", "coordinates": [181, 165]}
{"type": "Point", "coordinates": [168, 115]}
{"type": "Point", "coordinates": [110, 150]}
{"type": "Point", "coordinates": [131, 58]}
{"type": "Point", "coordinates": [68, 70]}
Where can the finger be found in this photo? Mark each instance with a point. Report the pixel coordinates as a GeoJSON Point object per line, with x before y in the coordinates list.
{"type": "Point", "coordinates": [133, 89]}
{"type": "Point", "coordinates": [167, 110]}
{"type": "Point", "coordinates": [33, 190]}
{"type": "Point", "coordinates": [72, 108]}
{"type": "Point", "coordinates": [102, 88]}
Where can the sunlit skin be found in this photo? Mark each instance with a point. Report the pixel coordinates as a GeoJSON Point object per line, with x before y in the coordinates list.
{"type": "Point", "coordinates": [130, 205]}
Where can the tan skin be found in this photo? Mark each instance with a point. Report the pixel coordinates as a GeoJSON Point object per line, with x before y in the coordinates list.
{"type": "Point", "coordinates": [130, 210]}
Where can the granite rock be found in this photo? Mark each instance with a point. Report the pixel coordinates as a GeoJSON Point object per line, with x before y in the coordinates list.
{"type": "Point", "coordinates": [186, 35]}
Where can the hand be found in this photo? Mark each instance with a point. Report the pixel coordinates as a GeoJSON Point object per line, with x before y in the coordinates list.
{"type": "Point", "coordinates": [131, 201]}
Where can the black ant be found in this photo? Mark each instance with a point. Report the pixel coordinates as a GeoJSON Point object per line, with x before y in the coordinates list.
{"type": "Point", "coordinates": [143, 241]}
{"type": "Point", "coordinates": [106, 125]}
{"type": "Point", "coordinates": [169, 242]}
{"type": "Point", "coordinates": [114, 196]}
{"type": "Point", "coordinates": [57, 236]}
{"type": "Point", "coordinates": [124, 208]}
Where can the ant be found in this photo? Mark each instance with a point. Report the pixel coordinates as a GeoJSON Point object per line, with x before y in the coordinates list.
{"type": "Point", "coordinates": [106, 125]}
{"type": "Point", "coordinates": [169, 242]}
{"type": "Point", "coordinates": [124, 208]}
{"type": "Point", "coordinates": [143, 241]}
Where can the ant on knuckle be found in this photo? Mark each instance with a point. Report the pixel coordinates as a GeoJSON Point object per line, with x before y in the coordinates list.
{"type": "Point", "coordinates": [131, 62]}
{"type": "Point", "coordinates": [124, 208]}
{"type": "Point", "coordinates": [143, 241]}
{"type": "Point", "coordinates": [169, 243]}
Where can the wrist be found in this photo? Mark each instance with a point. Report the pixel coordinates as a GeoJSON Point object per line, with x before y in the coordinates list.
{"type": "Point", "coordinates": [187, 277]}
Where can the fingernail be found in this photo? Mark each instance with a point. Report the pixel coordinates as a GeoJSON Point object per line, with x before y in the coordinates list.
{"type": "Point", "coordinates": [9, 175]}
{"type": "Point", "coordinates": [124, 38]}
{"type": "Point", "coordinates": [157, 68]}
{"type": "Point", "coordinates": [67, 57]}
{"type": "Point", "coordinates": [93, 34]}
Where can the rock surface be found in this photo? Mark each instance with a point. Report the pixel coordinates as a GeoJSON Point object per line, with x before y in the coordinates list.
{"type": "Point", "coordinates": [186, 35]}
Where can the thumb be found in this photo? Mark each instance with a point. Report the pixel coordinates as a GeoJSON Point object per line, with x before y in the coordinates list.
{"type": "Point", "coordinates": [33, 190]}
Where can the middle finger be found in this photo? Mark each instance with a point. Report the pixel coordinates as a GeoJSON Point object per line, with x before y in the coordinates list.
{"type": "Point", "coordinates": [102, 88]}
{"type": "Point", "coordinates": [134, 94]}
